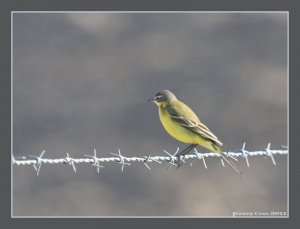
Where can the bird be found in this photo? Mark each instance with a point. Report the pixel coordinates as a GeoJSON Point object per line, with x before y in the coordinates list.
{"type": "Point", "coordinates": [183, 124]}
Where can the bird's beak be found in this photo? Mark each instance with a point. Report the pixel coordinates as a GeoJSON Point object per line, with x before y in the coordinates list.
{"type": "Point", "coordinates": [152, 100]}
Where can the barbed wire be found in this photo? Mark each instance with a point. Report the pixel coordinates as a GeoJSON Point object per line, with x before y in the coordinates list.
{"type": "Point", "coordinates": [171, 159]}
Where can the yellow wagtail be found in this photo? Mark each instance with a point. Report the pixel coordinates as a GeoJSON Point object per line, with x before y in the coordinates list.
{"type": "Point", "coordinates": [183, 124]}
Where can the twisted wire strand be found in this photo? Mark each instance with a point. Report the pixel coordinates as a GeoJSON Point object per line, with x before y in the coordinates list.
{"type": "Point", "coordinates": [171, 159]}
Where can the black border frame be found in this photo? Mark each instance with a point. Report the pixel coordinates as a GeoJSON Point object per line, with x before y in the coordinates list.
{"type": "Point", "coordinates": [138, 5]}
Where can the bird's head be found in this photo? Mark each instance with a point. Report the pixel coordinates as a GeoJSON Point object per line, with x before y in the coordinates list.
{"type": "Point", "coordinates": [163, 97]}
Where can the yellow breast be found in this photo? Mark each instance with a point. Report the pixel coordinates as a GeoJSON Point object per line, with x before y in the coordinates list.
{"type": "Point", "coordinates": [176, 131]}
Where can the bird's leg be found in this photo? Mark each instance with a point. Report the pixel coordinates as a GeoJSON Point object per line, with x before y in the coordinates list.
{"type": "Point", "coordinates": [184, 152]}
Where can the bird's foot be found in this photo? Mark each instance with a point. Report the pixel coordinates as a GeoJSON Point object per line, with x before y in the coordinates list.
{"type": "Point", "coordinates": [180, 161]}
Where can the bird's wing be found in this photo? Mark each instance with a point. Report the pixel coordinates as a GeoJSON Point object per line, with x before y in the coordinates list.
{"type": "Point", "coordinates": [184, 116]}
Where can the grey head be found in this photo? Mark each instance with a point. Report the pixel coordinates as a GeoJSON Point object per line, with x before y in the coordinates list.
{"type": "Point", "coordinates": [164, 96]}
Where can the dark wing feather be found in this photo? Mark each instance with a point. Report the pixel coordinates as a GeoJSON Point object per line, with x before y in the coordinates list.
{"type": "Point", "coordinates": [193, 124]}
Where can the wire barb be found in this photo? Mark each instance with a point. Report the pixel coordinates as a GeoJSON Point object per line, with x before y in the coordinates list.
{"type": "Point", "coordinates": [200, 156]}
{"type": "Point", "coordinates": [37, 166]}
{"type": "Point", "coordinates": [171, 159]}
{"type": "Point", "coordinates": [245, 154]}
{"type": "Point", "coordinates": [175, 159]}
{"type": "Point", "coordinates": [70, 161]}
{"type": "Point", "coordinates": [95, 161]}
{"type": "Point", "coordinates": [269, 153]}
{"type": "Point", "coordinates": [121, 159]}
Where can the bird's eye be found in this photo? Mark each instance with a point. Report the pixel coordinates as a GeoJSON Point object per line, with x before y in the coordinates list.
{"type": "Point", "coordinates": [159, 98]}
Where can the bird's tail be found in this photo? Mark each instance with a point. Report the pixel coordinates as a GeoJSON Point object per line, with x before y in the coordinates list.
{"type": "Point", "coordinates": [219, 151]}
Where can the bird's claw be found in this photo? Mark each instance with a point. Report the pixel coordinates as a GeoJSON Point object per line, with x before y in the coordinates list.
{"type": "Point", "coordinates": [179, 162]}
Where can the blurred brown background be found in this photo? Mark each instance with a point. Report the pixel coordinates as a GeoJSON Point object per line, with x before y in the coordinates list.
{"type": "Point", "coordinates": [82, 80]}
